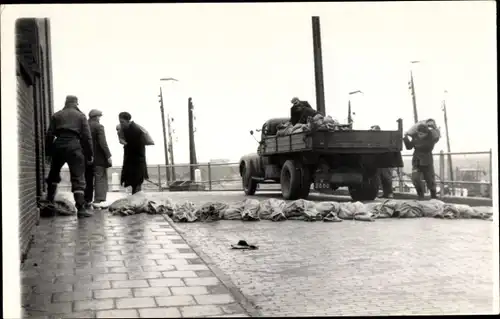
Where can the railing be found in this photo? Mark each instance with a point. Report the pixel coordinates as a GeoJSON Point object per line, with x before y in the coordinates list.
{"type": "Point", "coordinates": [226, 176]}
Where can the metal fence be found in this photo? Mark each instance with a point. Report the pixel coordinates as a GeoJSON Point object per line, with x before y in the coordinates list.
{"type": "Point", "coordinates": [471, 175]}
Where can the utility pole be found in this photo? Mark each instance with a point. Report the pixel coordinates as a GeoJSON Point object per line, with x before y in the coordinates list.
{"type": "Point", "coordinates": [318, 66]}
{"type": "Point", "coordinates": [171, 145]}
{"type": "Point", "coordinates": [411, 85]}
{"type": "Point", "coordinates": [164, 134]}
{"type": "Point", "coordinates": [349, 115]}
{"type": "Point", "coordinates": [450, 165]}
{"type": "Point", "coordinates": [192, 148]}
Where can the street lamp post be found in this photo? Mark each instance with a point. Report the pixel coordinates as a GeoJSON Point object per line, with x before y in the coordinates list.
{"type": "Point", "coordinates": [349, 115]}
{"type": "Point", "coordinates": [169, 148]}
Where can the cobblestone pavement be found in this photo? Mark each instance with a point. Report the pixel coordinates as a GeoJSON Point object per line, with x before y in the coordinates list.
{"type": "Point", "coordinates": [140, 266]}
{"type": "Point", "coordinates": [388, 267]}
{"type": "Point", "coordinates": [122, 267]}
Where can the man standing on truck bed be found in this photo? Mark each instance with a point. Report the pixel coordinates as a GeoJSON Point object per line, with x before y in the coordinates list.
{"type": "Point", "coordinates": [68, 140]}
{"type": "Point", "coordinates": [384, 175]}
{"type": "Point", "coordinates": [300, 111]}
{"type": "Point", "coordinates": [422, 162]}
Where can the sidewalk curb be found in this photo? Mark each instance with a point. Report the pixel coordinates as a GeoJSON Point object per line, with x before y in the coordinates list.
{"type": "Point", "coordinates": [244, 302]}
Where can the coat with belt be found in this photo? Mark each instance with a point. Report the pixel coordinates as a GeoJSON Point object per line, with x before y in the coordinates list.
{"type": "Point", "coordinates": [101, 149]}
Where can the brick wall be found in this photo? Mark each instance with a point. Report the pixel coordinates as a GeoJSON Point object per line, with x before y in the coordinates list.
{"type": "Point", "coordinates": [34, 99]}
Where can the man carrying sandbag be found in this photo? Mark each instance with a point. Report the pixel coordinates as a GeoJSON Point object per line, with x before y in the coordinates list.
{"type": "Point", "coordinates": [134, 139]}
{"type": "Point", "coordinates": [68, 140]}
{"type": "Point", "coordinates": [300, 111]}
{"type": "Point", "coordinates": [423, 140]}
{"type": "Point", "coordinates": [384, 175]}
{"type": "Point", "coordinates": [96, 174]}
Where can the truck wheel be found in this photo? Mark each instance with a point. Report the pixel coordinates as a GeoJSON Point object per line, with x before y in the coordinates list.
{"type": "Point", "coordinates": [366, 191]}
{"type": "Point", "coordinates": [290, 180]}
{"type": "Point", "coordinates": [249, 185]}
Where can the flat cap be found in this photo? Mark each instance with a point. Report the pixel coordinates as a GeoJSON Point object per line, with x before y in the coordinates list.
{"type": "Point", "coordinates": [71, 99]}
{"type": "Point", "coordinates": [94, 113]}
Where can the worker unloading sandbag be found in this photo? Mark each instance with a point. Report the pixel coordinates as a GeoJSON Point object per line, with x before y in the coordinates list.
{"type": "Point", "coordinates": [423, 142]}
{"type": "Point", "coordinates": [300, 111]}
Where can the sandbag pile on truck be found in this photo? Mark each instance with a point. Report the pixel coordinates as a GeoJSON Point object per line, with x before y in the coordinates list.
{"type": "Point", "coordinates": [316, 123]}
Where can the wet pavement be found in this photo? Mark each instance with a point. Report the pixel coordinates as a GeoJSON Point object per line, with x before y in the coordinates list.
{"type": "Point", "coordinates": [142, 265]}
{"type": "Point", "coordinates": [120, 267]}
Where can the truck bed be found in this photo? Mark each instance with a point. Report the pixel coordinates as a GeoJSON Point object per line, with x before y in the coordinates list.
{"type": "Point", "coordinates": [352, 141]}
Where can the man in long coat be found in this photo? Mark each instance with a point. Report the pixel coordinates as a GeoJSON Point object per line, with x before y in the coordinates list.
{"type": "Point", "coordinates": [134, 170]}
{"type": "Point", "coordinates": [96, 174]}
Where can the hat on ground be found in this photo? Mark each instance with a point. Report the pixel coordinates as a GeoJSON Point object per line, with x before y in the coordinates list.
{"type": "Point", "coordinates": [71, 99]}
{"type": "Point", "coordinates": [94, 113]}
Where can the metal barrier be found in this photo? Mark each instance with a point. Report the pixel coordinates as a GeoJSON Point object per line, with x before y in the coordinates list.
{"type": "Point", "coordinates": [226, 176]}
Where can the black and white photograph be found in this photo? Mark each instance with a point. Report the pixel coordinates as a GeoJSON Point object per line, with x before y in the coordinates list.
{"type": "Point", "coordinates": [281, 159]}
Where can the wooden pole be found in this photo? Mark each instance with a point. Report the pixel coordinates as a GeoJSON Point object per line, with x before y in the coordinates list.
{"type": "Point", "coordinates": [318, 66]}
{"type": "Point", "coordinates": [450, 165]}
{"type": "Point", "coordinates": [171, 146]}
{"type": "Point", "coordinates": [164, 135]}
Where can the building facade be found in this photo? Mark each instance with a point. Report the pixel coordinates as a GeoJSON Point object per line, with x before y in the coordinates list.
{"type": "Point", "coordinates": [34, 109]}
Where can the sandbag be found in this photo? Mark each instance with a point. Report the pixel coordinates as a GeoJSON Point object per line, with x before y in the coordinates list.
{"type": "Point", "coordinates": [429, 122]}
{"type": "Point", "coordinates": [329, 211]}
{"type": "Point", "coordinates": [386, 209]}
{"type": "Point", "coordinates": [484, 212]}
{"type": "Point", "coordinates": [210, 212]}
{"type": "Point", "coordinates": [303, 210]}
{"type": "Point", "coordinates": [409, 209]}
{"type": "Point", "coordinates": [147, 138]}
{"type": "Point", "coordinates": [233, 211]}
{"type": "Point", "coordinates": [184, 213]}
{"type": "Point", "coordinates": [349, 210]}
{"type": "Point", "coordinates": [250, 210]}
{"type": "Point", "coordinates": [432, 207]}
{"type": "Point", "coordinates": [130, 205]}
{"type": "Point", "coordinates": [272, 209]}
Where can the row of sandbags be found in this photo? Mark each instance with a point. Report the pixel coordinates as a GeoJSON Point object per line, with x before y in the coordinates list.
{"type": "Point", "coordinates": [279, 210]}
{"type": "Point", "coordinates": [316, 123]}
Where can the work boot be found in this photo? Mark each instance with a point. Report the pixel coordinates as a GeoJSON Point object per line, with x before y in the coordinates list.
{"type": "Point", "coordinates": [51, 192]}
{"type": "Point", "coordinates": [433, 194]}
{"type": "Point", "coordinates": [80, 206]}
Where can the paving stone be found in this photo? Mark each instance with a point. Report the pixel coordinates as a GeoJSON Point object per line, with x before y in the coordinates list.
{"type": "Point", "coordinates": [113, 293]}
{"type": "Point", "coordinates": [52, 288]}
{"type": "Point", "coordinates": [181, 245]}
{"type": "Point", "coordinates": [168, 312]}
{"type": "Point", "coordinates": [179, 274]}
{"type": "Point", "coordinates": [99, 304]}
{"type": "Point", "coordinates": [233, 308]}
{"type": "Point", "coordinates": [82, 314]}
{"type": "Point", "coordinates": [139, 262]}
{"type": "Point", "coordinates": [110, 277]}
{"type": "Point", "coordinates": [125, 269]}
{"type": "Point", "coordinates": [138, 302]}
{"type": "Point", "coordinates": [158, 268]}
{"type": "Point", "coordinates": [172, 262]}
{"type": "Point", "coordinates": [129, 313]}
{"type": "Point", "coordinates": [71, 296]}
{"type": "Point", "coordinates": [152, 292]}
{"type": "Point", "coordinates": [144, 275]}
{"type": "Point", "coordinates": [214, 299]}
{"type": "Point", "coordinates": [183, 256]}
{"type": "Point", "coordinates": [192, 267]}
{"type": "Point", "coordinates": [130, 284]}
{"type": "Point", "coordinates": [111, 263]}
{"type": "Point", "coordinates": [90, 271]}
{"type": "Point", "coordinates": [59, 308]}
{"type": "Point", "coordinates": [218, 289]}
{"type": "Point", "coordinates": [167, 282]}
{"type": "Point", "coordinates": [204, 273]}
{"type": "Point", "coordinates": [201, 290]}
{"type": "Point", "coordinates": [92, 285]}
{"type": "Point", "coordinates": [175, 301]}
{"type": "Point", "coordinates": [206, 281]}
{"type": "Point", "coordinates": [199, 311]}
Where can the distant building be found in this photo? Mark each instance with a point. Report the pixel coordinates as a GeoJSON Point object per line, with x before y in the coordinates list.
{"type": "Point", "coordinates": [34, 108]}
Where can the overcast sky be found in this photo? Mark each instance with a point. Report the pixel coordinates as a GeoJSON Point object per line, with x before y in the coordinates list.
{"type": "Point", "coordinates": [242, 63]}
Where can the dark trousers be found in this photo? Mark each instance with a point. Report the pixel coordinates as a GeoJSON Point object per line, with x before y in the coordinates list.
{"type": "Point", "coordinates": [97, 181]}
{"type": "Point", "coordinates": [385, 176]}
{"type": "Point", "coordinates": [427, 172]}
{"type": "Point", "coordinates": [136, 188]}
{"type": "Point", "coordinates": [73, 156]}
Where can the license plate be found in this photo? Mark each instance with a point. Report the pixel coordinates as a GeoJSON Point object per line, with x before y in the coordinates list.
{"type": "Point", "coordinates": [322, 185]}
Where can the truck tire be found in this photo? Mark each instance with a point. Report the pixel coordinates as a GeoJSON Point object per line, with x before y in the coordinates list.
{"type": "Point", "coordinates": [291, 180]}
{"type": "Point", "coordinates": [249, 184]}
{"type": "Point", "coordinates": [366, 191]}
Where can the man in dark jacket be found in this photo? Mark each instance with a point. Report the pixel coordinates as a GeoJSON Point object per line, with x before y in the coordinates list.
{"type": "Point", "coordinates": [134, 170]}
{"type": "Point", "coordinates": [422, 162]}
{"type": "Point", "coordinates": [300, 111]}
{"type": "Point", "coordinates": [384, 175]}
{"type": "Point", "coordinates": [68, 140]}
{"type": "Point", "coordinates": [96, 174]}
